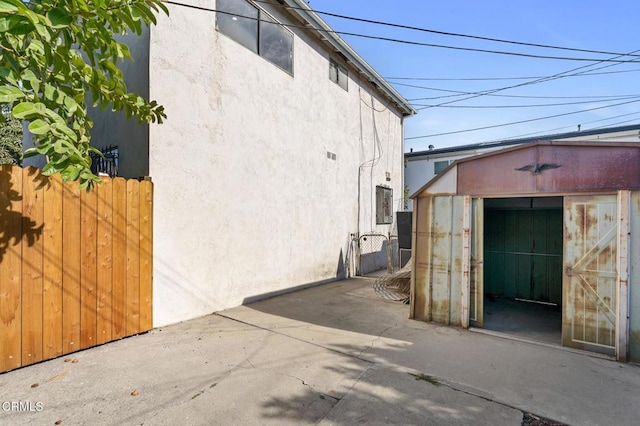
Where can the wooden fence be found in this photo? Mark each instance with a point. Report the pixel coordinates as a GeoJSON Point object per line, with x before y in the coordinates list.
{"type": "Point", "coordinates": [75, 266]}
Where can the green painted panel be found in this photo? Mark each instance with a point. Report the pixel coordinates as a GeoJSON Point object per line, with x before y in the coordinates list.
{"type": "Point", "coordinates": [523, 280]}
{"type": "Point", "coordinates": [525, 219]}
{"type": "Point", "coordinates": [554, 277]}
{"type": "Point", "coordinates": [539, 231]}
{"type": "Point", "coordinates": [510, 268]}
{"type": "Point", "coordinates": [509, 223]}
{"type": "Point", "coordinates": [523, 253]}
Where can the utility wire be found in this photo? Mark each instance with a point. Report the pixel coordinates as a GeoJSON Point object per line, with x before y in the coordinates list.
{"type": "Point", "coordinates": [519, 122]}
{"type": "Point", "coordinates": [530, 97]}
{"type": "Point", "coordinates": [413, 43]}
{"type": "Point", "coordinates": [447, 33]}
{"type": "Point", "coordinates": [497, 78]}
{"type": "Point", "coordinates": [533, 105]}
{"type": "Point", "coordinates": [528, 83]}
{"type": "Point", "coordinates": [545, 132]}
{"type": "Point", "coordinates": [460, 92]}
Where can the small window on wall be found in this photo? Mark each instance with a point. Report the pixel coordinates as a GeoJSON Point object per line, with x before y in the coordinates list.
{"type": "Point", "coordinates": [257, 31]}
{"type": "Point", "coordinates": [384, 203]}
{"type": "Point", "coordinates": [439, 166]}
{"type": "Point", "coordinates": [338, 74]}
{"type": "Point", "coordinates": [238, 20]}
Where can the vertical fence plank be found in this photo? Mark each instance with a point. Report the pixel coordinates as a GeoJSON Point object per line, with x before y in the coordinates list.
{"type": "Point", "coordinates": [75, 268]}
{"type": "Point", "coordinates": [32, 225]}
{"type": "Point", "coordinates": [104, 260]}
{"type": "Point", "coordinates": [133, 257]}
{"type": "Point", "coordinates": [146, 256]}
{"type": "Point", "coordinates": [119, 258]}
{"type": "Point", "coordinates": [71, 268]}
{"type": "Point", "coordinates": [88, 295]}
{"type": "Point", "coordinates": [52, 267]}
{"type": "Point", "coordinates": [10, 266]}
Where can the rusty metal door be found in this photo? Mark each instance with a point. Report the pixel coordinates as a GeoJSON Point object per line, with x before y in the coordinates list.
{"type": "Point", "coordinates": [476, 273]}
{"type": "Point", "coordinates": [590, 276]}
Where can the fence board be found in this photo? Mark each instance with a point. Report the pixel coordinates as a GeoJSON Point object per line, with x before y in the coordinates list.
{"type": "Point", "coordinates": [105, 261]}
{"type": "Point", "coordinates": [146, 255]}
{"type": "Point", "coordinates": [32, 224]}
{"type": "Point", "coordinates": [71, 268]}
{"type": "Point", "coordinates": [10, 266]}
{"type": "Point", "coordinates": [88, 298]}
{"type": "Point", "coordinates": [75, 267]}
{"type": "Point", "coordinates": [133, 257]}
{"type": "Point", "coordinates": [119, 258]}
{"type": "Point", "coordinates": [52, 269]}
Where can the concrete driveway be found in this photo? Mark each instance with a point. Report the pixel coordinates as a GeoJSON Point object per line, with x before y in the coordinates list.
{"type": "Point", "coordinates": [333, 354]}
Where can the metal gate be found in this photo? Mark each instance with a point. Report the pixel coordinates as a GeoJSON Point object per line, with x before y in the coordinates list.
{"type": "Point", "coordinates": [375, 253]}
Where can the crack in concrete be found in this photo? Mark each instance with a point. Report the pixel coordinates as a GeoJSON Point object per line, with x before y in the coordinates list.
{"type": "Point", "coordinates": [373, 342]}
{"type": "Point", "coordinates": [311, 387]}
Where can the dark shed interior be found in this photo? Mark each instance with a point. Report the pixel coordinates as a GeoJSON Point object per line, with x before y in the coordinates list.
{"type": "Point", "coordinates": [523, 267]}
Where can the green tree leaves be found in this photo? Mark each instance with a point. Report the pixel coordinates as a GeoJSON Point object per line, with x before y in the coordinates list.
{"type": "Point", "coordinates": [54, 54]}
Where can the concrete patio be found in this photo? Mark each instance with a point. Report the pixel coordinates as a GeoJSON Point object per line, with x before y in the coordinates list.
{"type": "Point", "coordinates": [333, 354]}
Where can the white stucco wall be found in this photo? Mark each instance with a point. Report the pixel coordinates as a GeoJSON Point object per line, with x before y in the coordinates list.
{"type": "Point", "coordinates": [246, 202]}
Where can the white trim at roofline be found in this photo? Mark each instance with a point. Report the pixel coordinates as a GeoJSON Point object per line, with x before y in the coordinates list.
{"type": "Point", "coordinates": [302, 9]}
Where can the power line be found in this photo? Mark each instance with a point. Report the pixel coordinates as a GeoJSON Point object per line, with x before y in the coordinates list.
{"type": "Point", "coordinates": [532, 105]}
{"type": "Point", "coordinates": [447, 33]}
{"type": "Point", "coordinates": [537, 81]}
{"type": "Point", "coordinates": [414, 43]}
{"type": "Point", "coordinates": [519, 122]}
{"type": "Point", "coordinates": [460, 92]}
{"type": "Point", "coordinates": [496, 78]}
{"type": "Point", "coordinates": [528, 96]}
{"type": "Point", "coordinates": [544, 132]}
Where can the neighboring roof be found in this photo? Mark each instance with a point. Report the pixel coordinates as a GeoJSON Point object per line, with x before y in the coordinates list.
{"type": "Point", "coordinates": [306, 13]}
{"type": "Point", "coordinates": [509, 142]}
{"type": "Point", "coordinates": [565, 166]}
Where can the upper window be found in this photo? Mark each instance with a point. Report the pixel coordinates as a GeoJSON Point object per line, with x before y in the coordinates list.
{"type": "Point", "coordinates": [384, 204]}
{"type": "Point", "coordinates": [257, 31]}
{"type": "Point", "coordinates": [439, 166]}
{"type": "Point", "coordinates": [338, 74]}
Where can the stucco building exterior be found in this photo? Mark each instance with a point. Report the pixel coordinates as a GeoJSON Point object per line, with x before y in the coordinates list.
{"type": "Point", "coordinates": [281, 147]}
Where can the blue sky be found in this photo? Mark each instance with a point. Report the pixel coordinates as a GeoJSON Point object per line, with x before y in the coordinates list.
{"type": "Point", "coordinates": [592, 25]}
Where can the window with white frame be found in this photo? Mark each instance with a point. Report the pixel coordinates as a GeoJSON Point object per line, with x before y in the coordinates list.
{"type": "Point", "coordinates": [384, 204]}
{"type": "Point", "coordinates": [338, 74]}
{"type": "Point", "coordinates": [253, 28]}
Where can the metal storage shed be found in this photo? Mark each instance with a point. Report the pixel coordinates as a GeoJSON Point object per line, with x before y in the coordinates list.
{"type": "Point", "coordinates": [548, 222]}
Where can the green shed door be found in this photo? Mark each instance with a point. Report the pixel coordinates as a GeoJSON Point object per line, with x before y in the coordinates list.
{"type": "Point", "coordinates": [590, 276]}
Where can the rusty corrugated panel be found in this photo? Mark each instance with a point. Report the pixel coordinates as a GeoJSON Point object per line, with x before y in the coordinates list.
{"type": "Point", "coordinates": [552, 168]}
{"type": "Point", "coordinates": [423, 213]}
{"type": "Point", "coordinates": [438, 263]}
{"type": "Point", "coordinates": [588, 168]}
{"type": "Point", "coordinates": [590, 314]}
{"type": "Point", "coordinates": [497, 174]}
{"type": "Point", "coordinates": [634, 281]}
